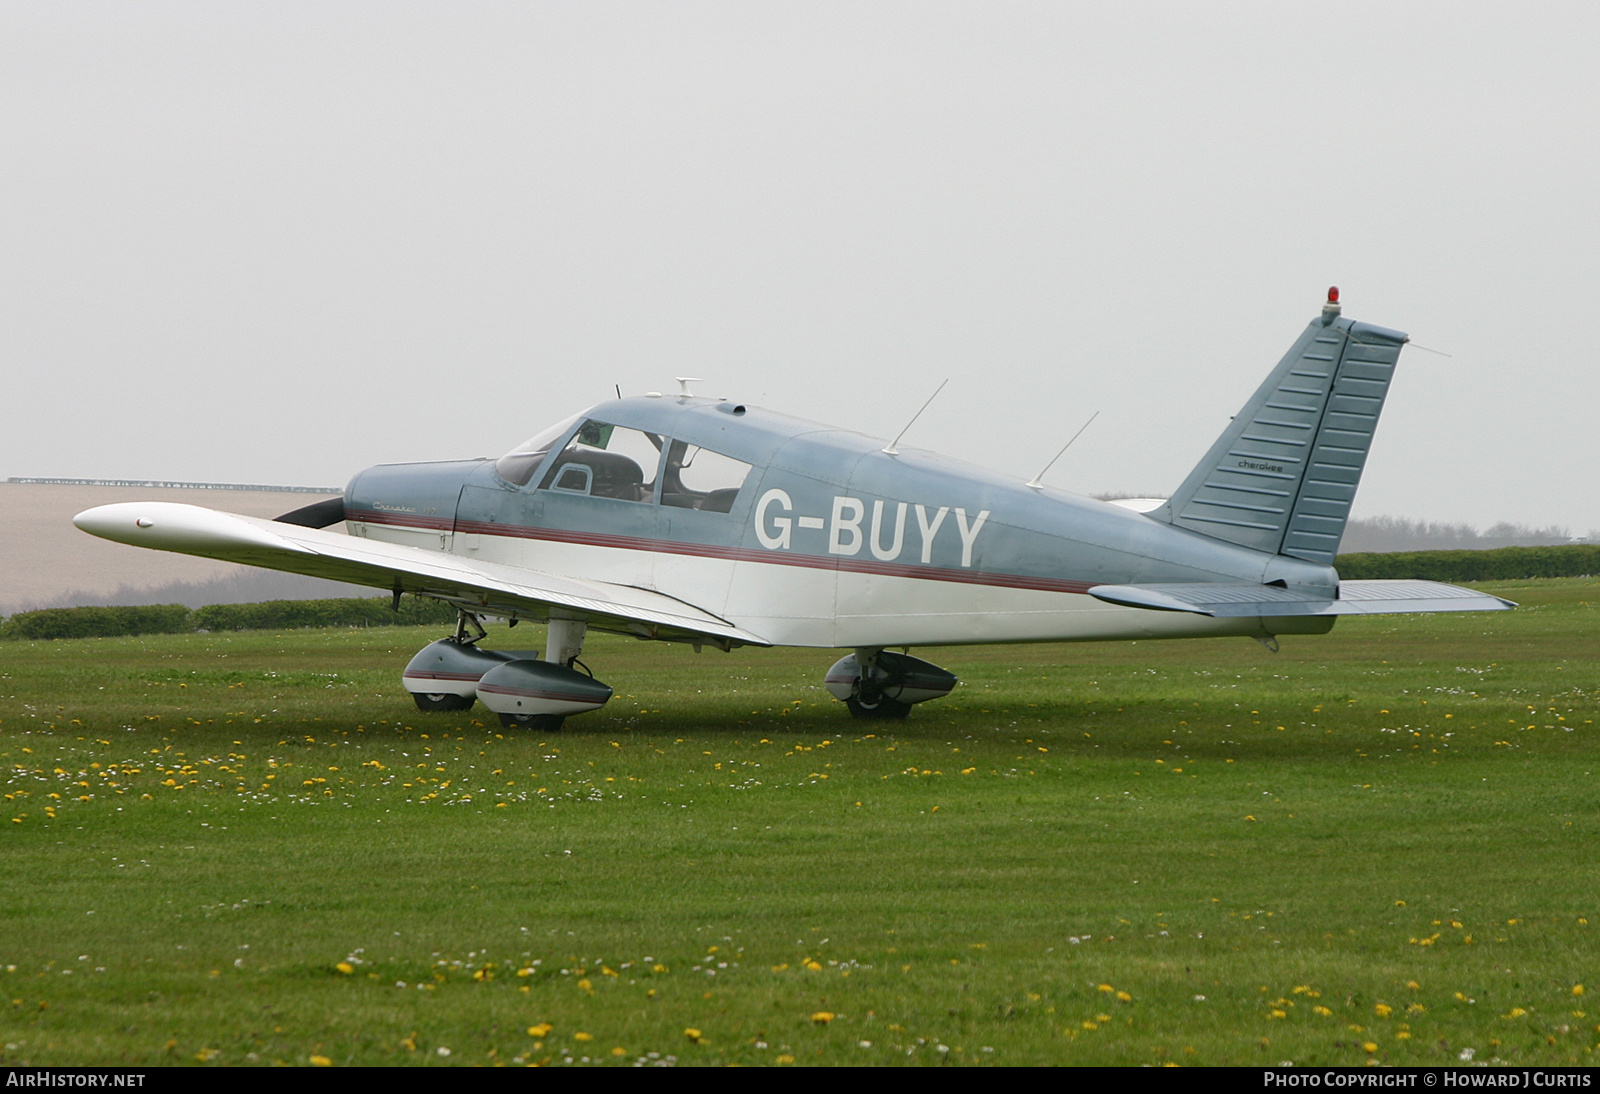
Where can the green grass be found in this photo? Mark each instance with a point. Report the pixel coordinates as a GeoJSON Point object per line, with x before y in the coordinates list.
{"type": "Point", "coordinates": [1195, 852]}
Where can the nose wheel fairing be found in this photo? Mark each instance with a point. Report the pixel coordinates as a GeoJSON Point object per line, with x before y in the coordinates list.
{"type": "Point", "coordinates": [876, 684]}
{"type": "Point", "coordinates": [444, 675]}
{"type": "Point", "coordinates": [522, 691]}
{"type": "Point", "coordinates": [453, 673]}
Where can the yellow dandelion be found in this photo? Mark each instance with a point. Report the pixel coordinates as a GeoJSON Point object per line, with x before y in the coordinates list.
{"type": "Point", "coordinates": [345, 967]}
{"type": "Point", "coordinates": [582, 1036]}
{"type": "Point", "coordinates": [693, 1034]}
{"type": "Point", "coordinates": [321, 1061]}
{"type": "Point", "coordinates": [1370, 1046]}
{"type": "Point", "coordinates": [541, 1030]}
{"type": "Point", "coordinates": [822, 1017]}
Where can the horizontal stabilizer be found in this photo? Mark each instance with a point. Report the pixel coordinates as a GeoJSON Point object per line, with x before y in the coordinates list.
{"type": "Point", "coordinates": [1355, 598]}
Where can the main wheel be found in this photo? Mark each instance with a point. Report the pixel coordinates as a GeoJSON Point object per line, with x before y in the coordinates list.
{"type": "Point", "coordinates": [441, 702]}
{"type": "Point", "coordinates": [884, 710]}
{"type": "Point", "coordinates": [542, 723]}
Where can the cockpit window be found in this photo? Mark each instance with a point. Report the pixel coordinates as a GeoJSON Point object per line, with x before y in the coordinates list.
{"type": "Point", "coordinates": [607, 461]}
{"type": "Point", "coordinates": [518, 465]}
{"type": "Point", "coordinates": [603, 460]}
{"type": "Point", "coordinates": [698, 478]}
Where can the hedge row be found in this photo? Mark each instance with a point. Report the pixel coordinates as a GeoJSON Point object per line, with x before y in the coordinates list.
{"type": "Point", "coordinates": [1501, 564]}
{"type": "Point", "coordinates": [277, 615]}
{"type": "Point", "coordinates": [98, 622]}
{"type": "Point", "coordinates": [177, 619]}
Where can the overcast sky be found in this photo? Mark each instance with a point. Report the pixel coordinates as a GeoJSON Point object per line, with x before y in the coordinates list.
{"type": "Point", "coordinates": [282, 242]}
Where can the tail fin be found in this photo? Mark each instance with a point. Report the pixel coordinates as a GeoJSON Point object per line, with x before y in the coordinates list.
{"type": "Point", "coordinates": [1282, 477]}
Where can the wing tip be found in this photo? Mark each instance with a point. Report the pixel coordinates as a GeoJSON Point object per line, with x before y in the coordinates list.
{"type": "Point", "coordinates": [174, 526]}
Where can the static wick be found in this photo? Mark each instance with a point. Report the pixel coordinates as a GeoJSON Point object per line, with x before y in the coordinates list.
{"type": "Point", "coordinates": [1036, 482]}
{"type": "Point", "coordinates": [892, 450]}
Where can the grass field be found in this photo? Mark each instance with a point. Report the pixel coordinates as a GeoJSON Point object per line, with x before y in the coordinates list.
{"type": "Point", "coordinates": [1379, 844]}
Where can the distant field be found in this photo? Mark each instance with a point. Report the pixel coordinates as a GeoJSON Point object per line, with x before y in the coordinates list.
{"type": "Point", "coordinates": [1378, 845]}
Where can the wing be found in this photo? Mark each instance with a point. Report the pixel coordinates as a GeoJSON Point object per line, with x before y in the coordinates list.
{"type": "Point", "coordinates": [1355, 598]}
{"type": "Point", "coordinates": [488, 587]}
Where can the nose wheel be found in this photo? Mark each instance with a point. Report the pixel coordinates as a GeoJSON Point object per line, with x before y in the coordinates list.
{"type": "Point", "coordinates": [881, 709]}
{"type": "Point", "coordinates": [441, 702]}
{"type": "Point", "coordinates": [539, 723]}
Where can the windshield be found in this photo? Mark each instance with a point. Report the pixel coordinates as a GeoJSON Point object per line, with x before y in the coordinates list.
{"type": "Point", "coordinates": [607, 461]}
{"type": "Point", "coordinates": [518, 465]}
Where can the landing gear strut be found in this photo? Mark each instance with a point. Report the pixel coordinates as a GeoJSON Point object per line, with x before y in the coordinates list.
{"type": "Point", "coordinates": [465, 620]}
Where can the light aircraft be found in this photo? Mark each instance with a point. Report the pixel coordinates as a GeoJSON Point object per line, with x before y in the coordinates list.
{"type": "Point", "coordinates": [686, 519]}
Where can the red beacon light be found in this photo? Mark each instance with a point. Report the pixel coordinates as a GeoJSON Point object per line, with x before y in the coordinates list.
{"type": "Point", "coordinates": [1330, 310]}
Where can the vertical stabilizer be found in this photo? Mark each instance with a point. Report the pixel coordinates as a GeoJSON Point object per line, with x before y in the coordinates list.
{"type": "Point", "coordinates": [1282, 477]}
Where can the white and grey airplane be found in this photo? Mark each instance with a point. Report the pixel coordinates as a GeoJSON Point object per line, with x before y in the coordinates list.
{"type": "Point", "coordinates": [705, 521]}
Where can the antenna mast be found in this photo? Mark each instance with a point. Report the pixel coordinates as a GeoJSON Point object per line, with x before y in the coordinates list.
{"type": "Point", "coordinates": [892, 450]}
{"type": "Point", "coordinates": [1035, 481]}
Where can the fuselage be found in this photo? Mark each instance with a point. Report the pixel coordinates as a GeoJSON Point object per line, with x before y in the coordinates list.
{"type": "Point", "coordinates": [823, 539]}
